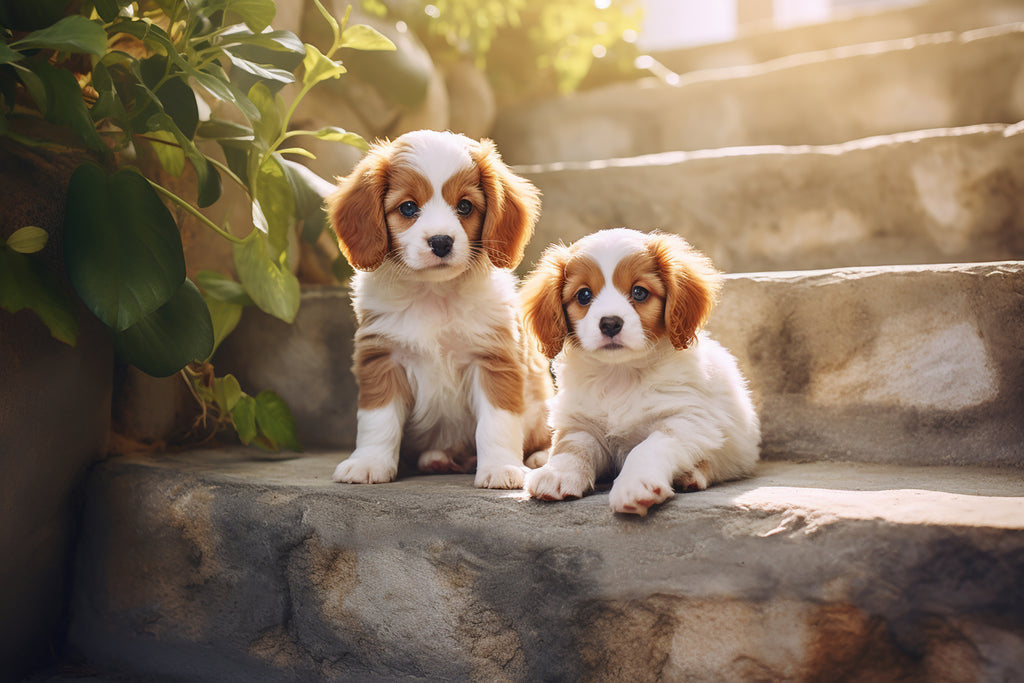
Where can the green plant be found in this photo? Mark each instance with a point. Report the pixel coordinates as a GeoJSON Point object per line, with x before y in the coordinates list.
{"type": "Point", "coordinates": [131, 76]}
{"type": "Point", "coordinates": [528, 47]}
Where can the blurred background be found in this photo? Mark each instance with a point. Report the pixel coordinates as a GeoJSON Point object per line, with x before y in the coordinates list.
{"type": "Point", "coordinates": [461, 62]}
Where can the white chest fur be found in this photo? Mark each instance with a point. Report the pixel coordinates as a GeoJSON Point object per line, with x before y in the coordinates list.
{"type": "Point", "coordinates": [437, 331]}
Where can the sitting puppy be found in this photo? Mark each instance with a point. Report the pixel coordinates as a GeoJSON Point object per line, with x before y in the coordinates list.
{"type": "Point", "coordinates": [638, 393]}
{"type": "Point", "coordinates": [433, 222]}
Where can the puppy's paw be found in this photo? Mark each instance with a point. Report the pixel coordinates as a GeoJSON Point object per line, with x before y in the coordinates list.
{"type": "Point", "coordinates": [364, 470]}
{"type": "Point", "coordinates": [692, 481]}
{"type": "Point", "coordinates": [634, 495]}
{"type": "Point", "coordinates": [548, 483]}
{"type": "Point", "coordinates": [537, 459]}
{"type": "Point", "coordinates": [437, 462]}
{"type": "Point", "coordinates": [500, 477]}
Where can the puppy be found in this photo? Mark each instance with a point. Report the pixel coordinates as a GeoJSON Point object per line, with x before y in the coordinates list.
{"type": "Point", "coordinates": [638, 392]}
{"type": "Point", "coordinates": [434, 222]}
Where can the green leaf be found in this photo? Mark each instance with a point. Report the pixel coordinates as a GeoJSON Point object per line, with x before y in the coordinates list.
{"type": "Point", "coordinates": [167, 150]}
{"type": "Point", "coordinates": [63, 101]}
{"type": "Point", "coordinates": [363, 37]}
{"type": "Point", "coordinates": [244, 417]}
{"type": "Point", "coordinates": [174, 96]}
{"type": "Point", "coordinates": [220, 129]}
{"type": "Point", "coordinates": [269, 73]}
{"type": "Point", "coordinates": [318, 67]}
{"type": "Point", "coordinates": [7, 55]}
{"type": "Point", "coordinates": [297, 151]}
{"type": "Point", "coordinates": [332, 22]}
{"type": "Point", "coordinates": [222, 288]}
{"type": "Point", "coordinates": [223, 91]}
{"type": "Point", "coordinates": [270, 106]}
{"type": "Point", "coordinates": [26, 283]}
{"type": "Point", "coordinates": [257, 14]}
{"type": "Point", "coordinates": [275, 200]}
{"type": "Point", "coordinates": [226, 392]}
{"type": "Point", "coordinates": [71, 34]}
{"type": "Point", "coordinates": [278, 41]}
{"type": "Point", "coordinates": [171, 337]}
{"type": "Point", "coordinates": [224, 316]}
{"type": "Point", "coordinates": [275, 421]}
{"type": "Point", "coordinates": [209, 182]}
{"type": "Point", "coordinates": [207, 176]}
{"type": "Point", "coordinates": [27, 240]}
{"type": "Point", "coordinates": [35, 87]}
{"type": "Point", "coordinates": [122, 248]}
{"type": "Point", "coordinates": [335, 134]}
{"type": "Point", "coordinates": [273, 288]}
{"type": "Point", "coordinates": [310, 191]}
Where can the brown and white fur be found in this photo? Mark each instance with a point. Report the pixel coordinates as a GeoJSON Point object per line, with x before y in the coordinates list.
{"type": "Point", "coordinates": [639, 393]}
{"type": "Point", "coordinates": [434, 222]}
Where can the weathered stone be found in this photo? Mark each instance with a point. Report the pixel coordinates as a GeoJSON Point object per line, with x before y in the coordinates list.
{"type": "Point", "coordinates": [914, 365]}
{"type": "Point", "coordinates": [927, 197]}
{"type": "Point", "coordinates": [921, 18]}
{"type": "Point", "coordinates": [931, 81]}
{"type": "Point", "coordinates": [308, 363]}
{"type": "Point", "coordinates": [226, 565]}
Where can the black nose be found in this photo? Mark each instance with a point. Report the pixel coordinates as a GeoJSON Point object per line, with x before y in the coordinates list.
{"type": "Point", "coordinates": [441, 245]}
{"type": "Point", "coordinates": [610, 325]}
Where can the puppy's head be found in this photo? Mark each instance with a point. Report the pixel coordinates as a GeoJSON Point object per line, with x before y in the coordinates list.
{"type": "Point", "coordinates": [618, 292]}
{"type": "Point", "coordinates": [436, 202]}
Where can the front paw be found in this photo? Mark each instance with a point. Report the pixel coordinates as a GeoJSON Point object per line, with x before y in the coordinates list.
{"type": "Point", "coordinates": [501, 477]}
{"type": "Point", "coordinates": [365, 469]}
{"type": "Point", "coordinates": [549, 483]}
{"type": "Point", "coordinates": [633, 495]}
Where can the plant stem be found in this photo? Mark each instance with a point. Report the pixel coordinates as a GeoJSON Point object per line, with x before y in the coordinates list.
{"type": "Point", "coordinates": [195, 212]}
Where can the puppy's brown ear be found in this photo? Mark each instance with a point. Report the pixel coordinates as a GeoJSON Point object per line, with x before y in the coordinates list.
{"type": "Point", "coordinates": [691, 284]}
{"type": "Point", "coordinates": [356, 210]}
{"type": "Point", "coordinates": [540, 299]}
{"type": "Point", "coordinates": [513, 205]}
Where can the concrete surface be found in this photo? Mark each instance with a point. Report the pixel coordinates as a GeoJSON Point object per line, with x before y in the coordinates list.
{"type": "Point", "coordinates": [932, 81]}
{"type": "Point", "coordinates": [938, 196]}
{"type": "Point", "coordinates": [912, 364]}
{"type": "Point", "coordinates": [226, 565]}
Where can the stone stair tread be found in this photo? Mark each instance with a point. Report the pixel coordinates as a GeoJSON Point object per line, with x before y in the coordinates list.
{"type": "Point", "coordinates": [216, 564]}
{"type": "Point", "coordinates": [761, 43]}
{"type": "Point", "coordinates": [929, 81]}
{"type": "Point", "coordinates": [927, 196]}
{"type": "Point", "coordinates": [896, 364]}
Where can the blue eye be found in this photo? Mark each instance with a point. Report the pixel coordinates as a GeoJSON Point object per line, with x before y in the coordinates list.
{"type": "Point", "coordinates": [584, 297]}
{"type": "Point", "coordinates": [408, 209]}
{"type": "Point", "coordinates": [639, 294]}
{"type": "Point", "coordinates": [464, 207]}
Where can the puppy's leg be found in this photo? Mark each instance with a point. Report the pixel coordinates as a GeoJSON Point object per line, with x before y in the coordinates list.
{"type": "Point", "coordinates": [384, 401]}
{"type": "Point", "coordinates": [647, 474]}
{"type": "Point", "coordinates": [378, 437]}
{"type": "Point", "coordinates": [570, 472]}
{"type": "Point", "coordinates": [498, 402]}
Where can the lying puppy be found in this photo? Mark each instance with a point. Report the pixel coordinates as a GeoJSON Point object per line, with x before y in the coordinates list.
{"type": "Point", "coordinates": [433, 222]}
{"type": "Point", "coordinates": [638, 393]}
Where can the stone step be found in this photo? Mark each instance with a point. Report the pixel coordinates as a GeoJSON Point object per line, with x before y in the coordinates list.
{"type": "Point", "coordinates": [903, 365]}
{"type": "Point", "coordinates": [764, 44]}
{"type": "Point", "coordinates": [229, 565]}
{"type": "Point", "coordinates": [935, 196]}
{"type": "Point", "coordinates": [930, 81]}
